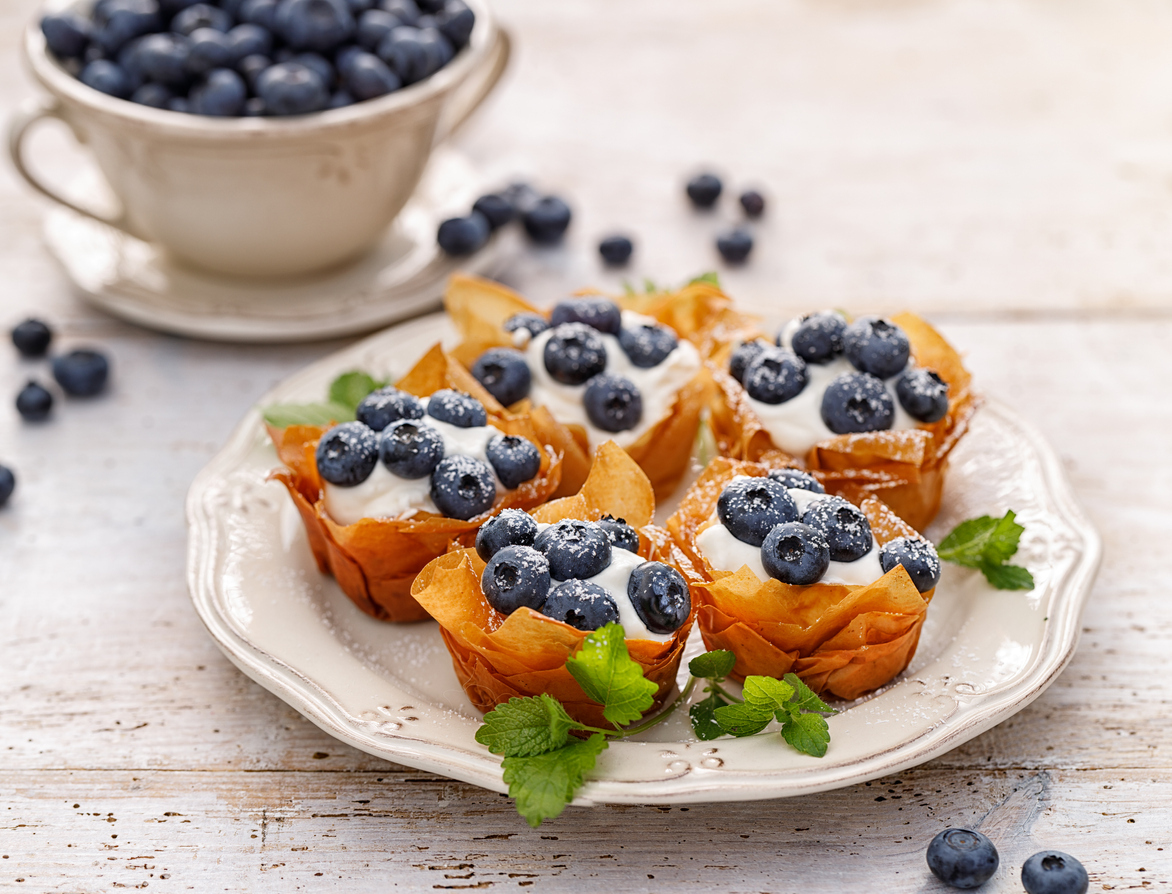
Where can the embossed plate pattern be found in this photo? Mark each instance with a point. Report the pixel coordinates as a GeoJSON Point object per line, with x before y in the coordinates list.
{"type": "Point", "coordinates": [390, 690]}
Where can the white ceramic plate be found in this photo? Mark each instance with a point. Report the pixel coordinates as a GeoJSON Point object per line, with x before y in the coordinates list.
{"type": "Point", "coordinates": [390, 690]}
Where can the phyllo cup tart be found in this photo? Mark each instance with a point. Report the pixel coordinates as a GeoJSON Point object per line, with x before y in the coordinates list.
{"type": "Point", "coordinates": [791, 579]}
{"type": "Point", "coordinates": [625, 369]}
{"type": "Point", "coordinates": [872, 407]}
{"type": "Point", "coordinates": [424, 465]}
{"type": "Point", "coordinates": [513, 609]}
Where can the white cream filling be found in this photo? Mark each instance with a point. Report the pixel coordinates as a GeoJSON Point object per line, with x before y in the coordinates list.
{"type": "Point", "coordinates": [658, 386]}
{"type": "Point", "coordinates": [725, 553]}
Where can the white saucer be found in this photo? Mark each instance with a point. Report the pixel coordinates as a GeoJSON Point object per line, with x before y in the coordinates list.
{"type": "Point", "coordinates": [402, 277]}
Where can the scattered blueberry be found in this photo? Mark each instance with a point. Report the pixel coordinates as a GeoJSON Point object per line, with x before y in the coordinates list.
{"type": "Point", "coordinates": [222, 95]}
{"type": "Point", "coordinates": [752, 507]}
{"type": "Point", "coordinates": [647, 345]}
{"type": "Point", "coordinates": [597, 313]}
{"type": "Point", "coordinates": [876, 346]}
{"type": "Point", "coordinates": [620, 534]}
{"type": "Point", "coordinates": [574, 354]}
{"type": "Point", "coordinates": [546, 220]}
{"type": "Point", "coordinates": [775, 375]}
{"type": "Point", "coordinates": [514, 459]}
{"type": "Point", "coordinates": [753, 203]}
{"type": "Point", "coordinates": [818, 338]}
{"type": "Point", "coordinates": [504, 374]}
{"type": "Point", "coordinates": [582, 604]}
{"type": "Point", "coordinates": [32, 338]}
{"type": "Point", "coordinates": [746, 352]}
{"type": "Point", "coordinates": [846, 529]}
{"type": "Point", "coordinates": [201, 15]}
{"type": "Point", "coordinates": [616, 250]}
{"type": "Point", "coordinates": [1046, 872]}
{"type": "Point", "coordinates": [918, 558]}
{"type": "Point", "coordinates": [107, 77]}
{"type": "Point", "coordinates": [81, 373]}
{"type": "Point", "coordinates": [534, 324]}
{"type": "Point", "coordinates": [367, 76]}
{"type": "Point", "coordinates": [516, 576]}
{"type": "Point", "coordinates": [857, 402]}
{"type": "Point", "coordinates": [386, 405]}
{"type": "Point", "coordinates": [962, 859]}
{"type": "Point", "coordinates": [704, 190]}
{"type": "Point", "coordinates": [7, 484]}
{"type": "Point", "coordinates": [660, 596]}
{"type": "Point", "coordinates": [290, 88]}
{"type": "Point", "coordinates": [923, 394]}
{"type": "Point", "coordinates": [209, 49]}
{"type": "Point", "coordinates": [34, 402]}
{"type": "Point", "coordinates": [67, 34]}
{"type": "Point", "coordinates": [795, 554]}
{"type": "Point", "coordinates": [735, 245]}
{"type": "Point", "coordinates": [464, 235]}
{"type": "Point", "coordinates": [613, 403]}
{"type": "Point", "coordinates": [317, 25]}
{"type": "Point", "coordinates": [411, 449]}
{"type": "Point", "coordinates": [798, 480]}
{"type": "Point", "coordinates": [373, 26]}
{"type": "Point", "coordinates": [347, 454]}
{"type": "Point", "coordinates": [497, 210]}
{"type": "Point", "coordinates": [462, 487]}
{"type": "Point", "coordinates": [574, 549]}
{"type": "Point", "coordinates": [457, 408]}
{"type": "Point", "coordinates": [513, 527]}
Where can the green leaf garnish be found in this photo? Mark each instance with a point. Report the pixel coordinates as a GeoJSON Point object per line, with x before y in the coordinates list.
{"type": "Point", "coordinates": [526, 726]}
{"type": "Point", "coordinates": [767, 694]}
{"type": "Point", "coordinates": [808, 733]}
{"type": "Point", "coordinates": [715, 665]}
{"type": "Point", "coordinates": [986, 543]}
{"type": "Point", "coordinates": [1008, 577]}
{"type": "Point", "coordinates": [743, 720]}
{"type": "Point", "coordinates": [703, 715]}
{"type": "Point", "coordinates": [804, 697]}
{"type": "Point", "coordinates": [543, 784]}
{"type": "Point", "coordinates": [284, 415]}
{"type": "Point", "coordinates": [712, 278]}
{"type": "Point", "coordinates": [606, 672]}
{"type": "Point", "coordinates": [350, 388]}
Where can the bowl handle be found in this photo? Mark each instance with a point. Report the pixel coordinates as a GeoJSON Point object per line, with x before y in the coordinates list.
{"type": "Point", "coordinates": [467, 97]}
{"type": "Point", "coordinates": [28, 115]}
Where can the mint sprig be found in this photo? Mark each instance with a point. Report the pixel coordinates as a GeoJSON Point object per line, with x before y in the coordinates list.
{"type": "Point", "coordinates": [345, 394]}
{"type": "Point", "coordinates": [987, 543]}
{"type": "Point", "coordinates": [606, 673]}
{"type": "Point", "coordinates": [790, 702]}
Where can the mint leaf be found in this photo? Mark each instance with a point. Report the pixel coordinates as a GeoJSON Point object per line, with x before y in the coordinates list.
{"type": "Point", "coordinates": [768, 694]}
{"type": "Point", "coordinates": [983, 539]}
{"type": "Point", "coordinates": [704, 447]}
{"type": "Point", "coordinates": [349, 389]}
{"type": "Point", "coordinates": [715, 665]}
{"type": "Point", "coordinates": [743, 720]}
{"type": "Point", "coordinates": [804, 698]}
{"type": "Point", "coordinates": [649, 286]}
{"type": "Point", "coordinates": [1008, 577]}
{"type": "Point", "coordinates": [703, 715]}
{"type": "Point", "coordinates": [808, 733]}
{"type": "Point", "coordinates": [284, 415]}
{"type": "Point", "coordinates": [526, 726]}
{"type": "Point", "coordinates": [543, 784]}
{"type": "Point", "coordinates": [711, 277]}
{"type": "Point", "coordinates": [605, 671]}
{"type": "Point", "coordinates": [1002, 543]}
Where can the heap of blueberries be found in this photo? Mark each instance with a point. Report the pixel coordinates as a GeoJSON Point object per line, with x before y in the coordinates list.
{"type": "Point", "coordinates": [392, 427]}
{"type": "Point", "coordinates": [856, 401]}
{"type": "Point", "coordinates": [798, 550]}
{"type": "Point", "coordinates": [575, 354]}
{"type": "Point", "coordinates": [966, 859]}
{"type": "Point", "coordinates": [545, 219]}
{"type": "Point", "coordinates": [549, 571]}
{"type": "Point", "coordinates": [734, 245]}
{"type": "Point", "coordinates": [229, 58]}
{"type": "Point", "coordinates": [80, 373]}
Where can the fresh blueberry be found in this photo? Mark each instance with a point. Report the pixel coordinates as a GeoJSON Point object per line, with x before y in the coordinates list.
{"type": "Point", "coordinates": [123, 20]}
{"type": "Point", "coordinates": [290, 88]}
{"type": "Point", "coordinates": [345, 56]}
{"type": "Point", "coordinates": [876, 346]}
{"type": "Point", "coordinates": [319, 63]}
{"type": "Point", "coordinates": [704, 190]}
{"type": "Point", "coordinates": [613, 403]}
{"type": "Point", "coordinates": [373, 26]}
{"type": "Point", "coordinates": [735, 245]}
{"type": "Point", "coordinates": [67, 34]}
{"type": "Point", "coordinates": [254, 107]}
{"type": "Point", "coordinates": [616, 250]}
{"type": "Point", "coordinates": [660, 596]}
{"type": "Point", "coordinates": [574, 353]}
{"type": "Point", "coordinates": [339, 99]}
{"type": "Point", "coordinates": [753, 203]}
{"type": "Point", "coordinates": [962, 859]}
{"type": "Point", "coordinates": [515, 577]}
{"type": "Point", "coordinates": [521, 196]}
{"type": "Point", "coordinates": [818, 338]}
{"type": "Point", "coordinates": [411, 449]}
{"type": "Point", "coordinates": [430, 7]}
{"type": "Point", "coordinates": [347, 454]}
{"type": "Point", "coordinates": [171, 8]}
{"type": "Point", "coordinates": [797, 480]}
{"type": "Point", "coordinates": [846, 529]}
{"type": "Point", "coordinates": [221, 95]}
{"type": "Point", "coordinates": [81, 373]}
{"type": "Point", "coordinates": [857, 402]}
{"type": "Point", "coordinates": [386, 405]}
{"type": "Point", "coordinates": [461, 236]}
{"type": "Point", "coordinates": [923, 394]}
{"type": "Point", "coordinates": [504, 374]}
{"type": "Point", "coordinates": [260, 12]}
{"type": "Point", "coordinates": [437, 49]}
{"type": "Point", "coordinates": [496, 209]}
{"type": "Point", "coordinates": [546, 220]}
{"type": "Point", "coordinates": [32, 338]}
{"type": "Point", "coordinates": [316, 25]}
{"type": "Point", "coordinates": [1046, 872]}
{"type": "Point", "coordinates": [597, 313]}
{"type": "Point", "coordinates": [574, 548]}
{"type": "Point", "coordinates": [179, 104]}
{"type": "Point", "coordinates": [130, 58]}
{"type": "Point", "coordinates": [514, 459]}
{"type": "Point", "coordinates": [208, 49]}
{"type": "Point", "coordinates": [455, 22]}
{"type": "Point", "coordinates": [620, 534]}
{"type": "Point", "coordinates": [232, 7]}
{"type": "Point", "coordinates": [251, 67]}
{"type": "Point", "coordinates": [358, 7]}
{"type": "Point", "coordinates": [775, 376]}
{"type": "Point", "coordinates": [582, 604]}
{"type": "Point", "coordinates": [513, 527]}
{"type": "Point", "coordinates": [795, 554]}
{"type": "Point", "coordinates": [34, 402]}
{"type": "Point", "coordinates": [201, 15]}
{"type": "Point", "coordinates": [93, 53]}
{"type": "Point", "coordinates": [244, 41]}
{"type": "Point", "coordinates": [404, 52]}
{"type": "Point", "coordinates": [367, 77]}
{"type": "Point", "coordinates": [745, 353]}
{"type": "Point", "coordinates": [462, 487]}
{"type": "Point", "coordinates": [457, 408]}
{"type": "Point", "coordinates": [647, 344]}
{"type": "Point", "coordinates": [534, 324]}
{"type": "Point", "coordinates": [106, 76]}
{"type": "Point", "coordinates": [918, 558]}
{"type": "Point", "coordinates": [404, 10]}
{"type": "Point", "coordinates": [752, 507]}
{"type": "Point", "coordinates": [154, 95]}
{"type": "Point", "coordinates": [7, 484]}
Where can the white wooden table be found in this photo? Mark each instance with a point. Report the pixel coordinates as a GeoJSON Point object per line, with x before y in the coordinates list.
{"type": "Point", "coordinates": [1004, 167]}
